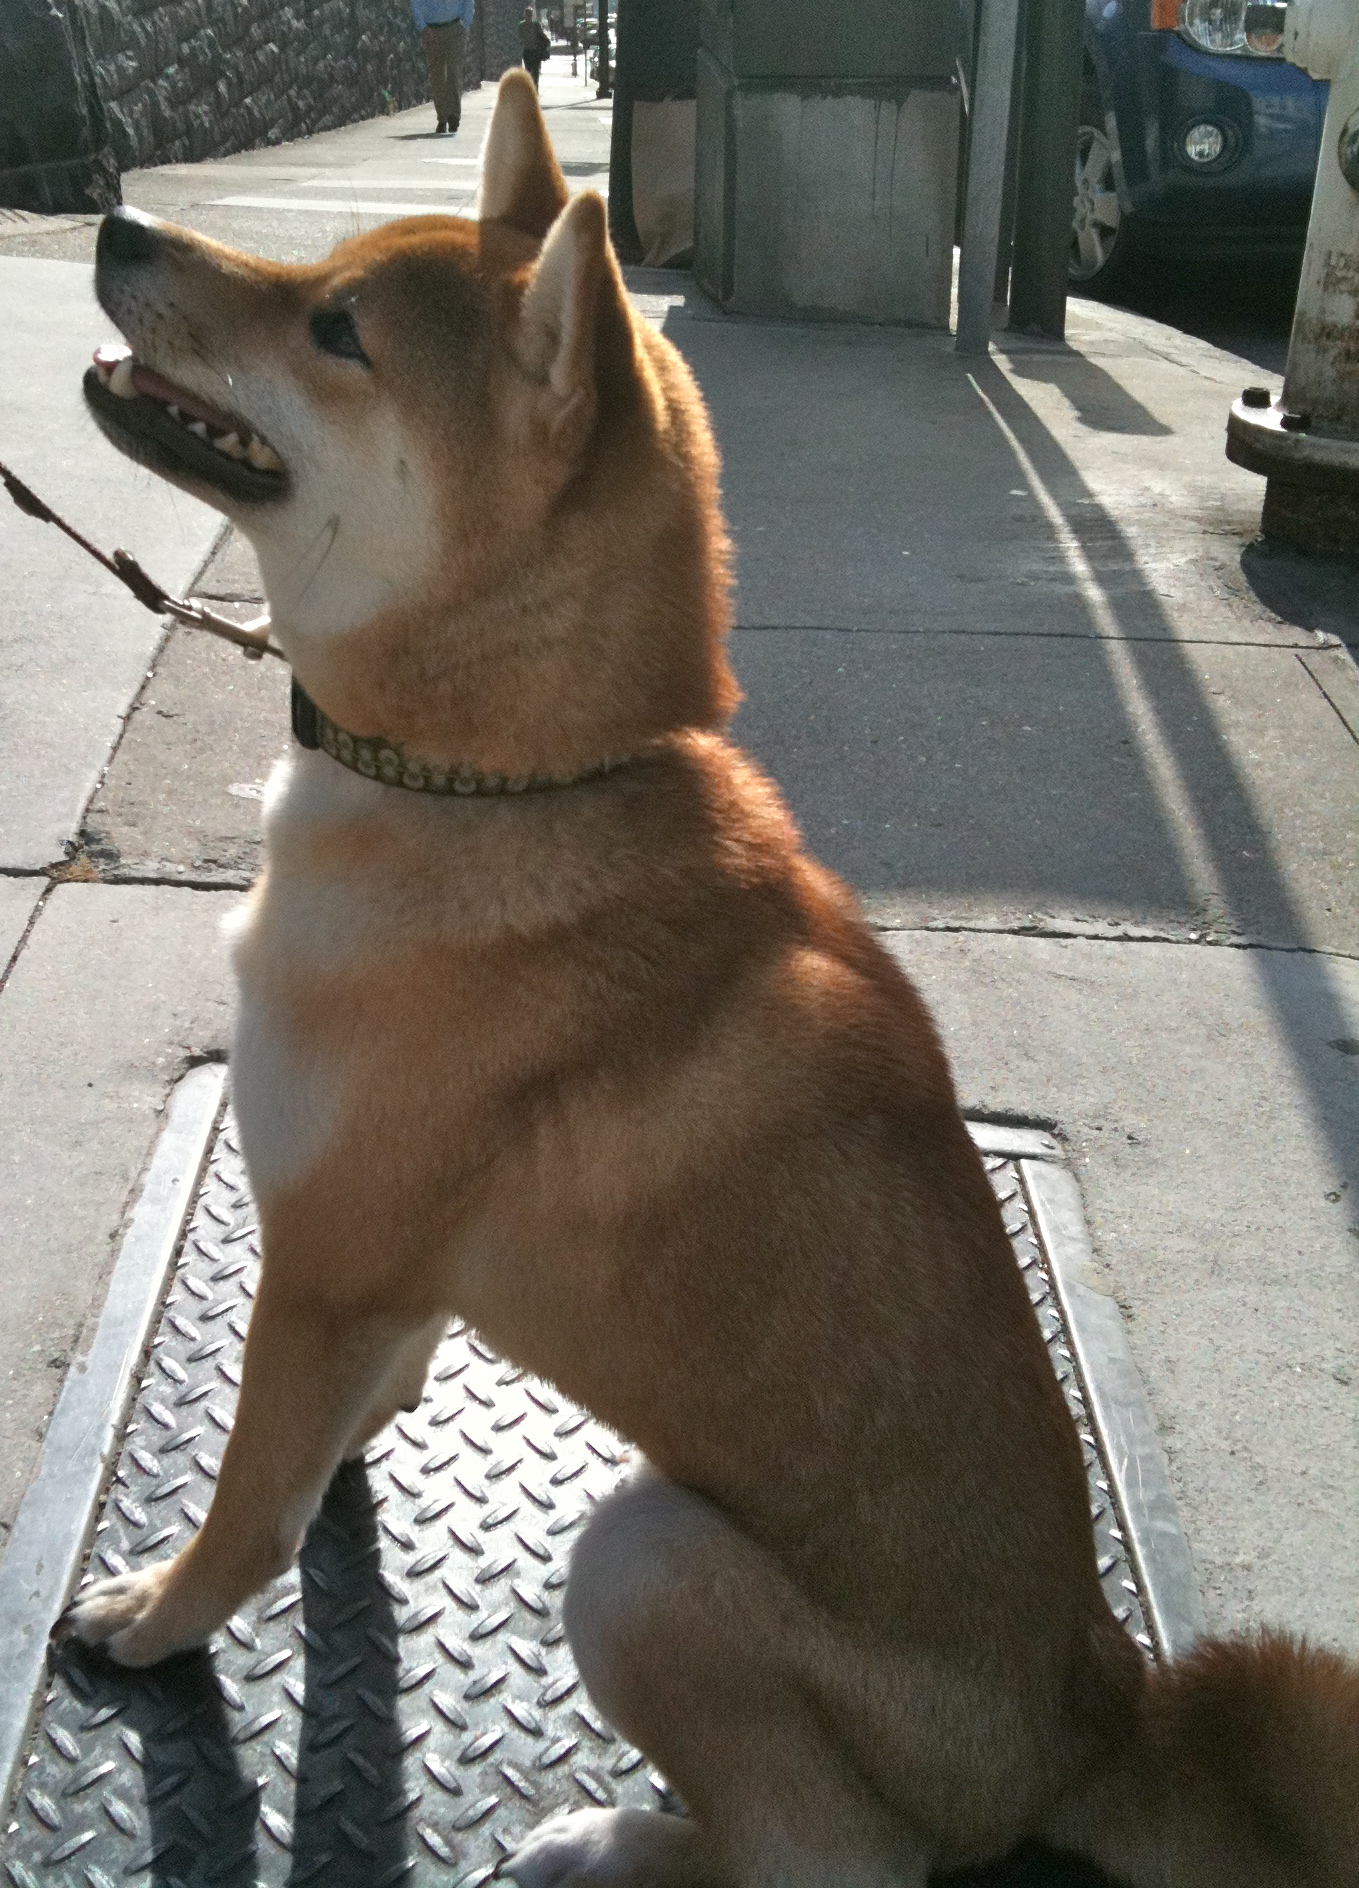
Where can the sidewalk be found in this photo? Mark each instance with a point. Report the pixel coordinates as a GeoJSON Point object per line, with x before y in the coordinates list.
{"type": "Point", "coordinates": [1090, 758]}
{"type": "Point", "coordinates": [1002, 649]}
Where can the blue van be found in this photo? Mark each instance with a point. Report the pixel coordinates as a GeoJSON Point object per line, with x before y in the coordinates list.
{"type": "Point", "coordinates": [1197, 138]}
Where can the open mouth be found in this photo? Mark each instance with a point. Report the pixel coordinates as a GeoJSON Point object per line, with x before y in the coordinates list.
{"type": "Point", "coordinates": [175, 431]}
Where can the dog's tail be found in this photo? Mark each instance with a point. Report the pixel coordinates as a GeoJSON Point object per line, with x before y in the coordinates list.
{"type": "Point", "coordinates": [1242, 1771]}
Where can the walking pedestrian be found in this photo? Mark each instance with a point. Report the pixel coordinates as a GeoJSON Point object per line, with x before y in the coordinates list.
{"type": "Point", "coordinates": [444, 26]}
{"type": "Point", "coordinates": [534, 41]}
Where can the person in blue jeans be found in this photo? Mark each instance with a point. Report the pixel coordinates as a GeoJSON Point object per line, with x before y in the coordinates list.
{"type": "Point", "coordinates": [444, 26]}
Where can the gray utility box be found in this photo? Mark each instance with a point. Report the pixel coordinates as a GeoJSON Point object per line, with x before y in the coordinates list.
{"type": "Point", "coordinates": [827, 157]}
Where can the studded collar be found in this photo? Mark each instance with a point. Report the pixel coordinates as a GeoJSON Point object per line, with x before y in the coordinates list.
{"type": "Point", "coordinates": [377, 758]}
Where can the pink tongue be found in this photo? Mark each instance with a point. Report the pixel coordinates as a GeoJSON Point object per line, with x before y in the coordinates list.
{"type": "Point", "coordinates": [155, 387]}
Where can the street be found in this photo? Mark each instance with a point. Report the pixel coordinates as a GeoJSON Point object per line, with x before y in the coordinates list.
{"type": "Point", "coordinates": [1089, 755]}
{"type": "Point", "coordinates": [295, 202]}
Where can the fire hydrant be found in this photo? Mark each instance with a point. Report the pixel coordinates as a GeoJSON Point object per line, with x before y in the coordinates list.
{"type": "Point", "coordinates": [1307, 442]}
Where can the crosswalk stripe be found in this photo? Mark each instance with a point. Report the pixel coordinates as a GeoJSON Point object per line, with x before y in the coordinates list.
{"type": "Point", "coordinates": [317, 206]}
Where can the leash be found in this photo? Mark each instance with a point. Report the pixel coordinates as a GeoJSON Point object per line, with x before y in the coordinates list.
{"type": "Point", "coordinates": [253, 643]}
{"type": "Point", "coordinates": [371, 756]}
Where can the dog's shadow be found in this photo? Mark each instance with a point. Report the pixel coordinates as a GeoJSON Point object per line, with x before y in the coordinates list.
{"type": "Point", "coordinates": [231, 1802]}
{"type": "Point", "coordinates": [229, 1799]}
{"type": "Point", "coordinates": [1033, 1866]}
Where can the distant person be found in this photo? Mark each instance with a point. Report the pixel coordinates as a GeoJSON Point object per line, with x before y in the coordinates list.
{"type": "Point", "coordinates": [534, 41]}
{"type": "Point", "coordinates": [444, 26]}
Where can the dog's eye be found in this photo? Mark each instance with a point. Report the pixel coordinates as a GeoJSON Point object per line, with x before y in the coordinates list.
{"type": "Point", "coordinates": [334, 332]}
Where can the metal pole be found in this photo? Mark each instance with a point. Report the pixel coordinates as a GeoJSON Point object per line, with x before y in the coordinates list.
{"type": "Point", "coordinates": [1005, 245]}
{"type": "Point", "coordinates": [986, 173]}
{"type": "Point", "coordinates": [631, 23]}
{"type": "Point", "coordinates": [1053, 64]}
{"type": "Point", "coordinates": [605, 86]}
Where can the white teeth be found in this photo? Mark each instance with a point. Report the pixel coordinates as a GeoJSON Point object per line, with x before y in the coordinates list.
{"type": "Point", "coordinates": [262, 456]}
{"type": "Point", "coordinates": [117, 377]}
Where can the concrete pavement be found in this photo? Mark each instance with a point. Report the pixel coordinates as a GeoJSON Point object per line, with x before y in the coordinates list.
{"type": "Point", "coordinates": [71, 654]}
{"type": "Point", "coordinates": [1212, 1121]}
{"type": "Point", "coordinates": [117, 992]}
{"type": "Point", "coordinates": [294, 202]}
{"type": "Point", "coordinates": [1090, 757]}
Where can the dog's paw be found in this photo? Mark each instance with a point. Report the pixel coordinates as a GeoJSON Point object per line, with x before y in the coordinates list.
{"type": "Point", "coordinates": [626, 1848]}
{"type": "Point", "coordinates": [128, 1616]}
{"type": "Point", "coordinates": [579, 1846]}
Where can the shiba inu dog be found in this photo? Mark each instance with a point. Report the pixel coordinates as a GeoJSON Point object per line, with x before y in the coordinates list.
{"type": "Point", "coordinates": [547, 1020]}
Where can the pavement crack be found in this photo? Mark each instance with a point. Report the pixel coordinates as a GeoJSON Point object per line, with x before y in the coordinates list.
{"type": "Point", "coordinates": [1108, 934]}
{"type": "Point", "coordinates": [1345, 681]}
{"type": "Point", "coordinates": [1315, 639]}
{"type": "Point", "coordinates": [27, 931]}
{"type": "Point", "coordinates": [83, 869]}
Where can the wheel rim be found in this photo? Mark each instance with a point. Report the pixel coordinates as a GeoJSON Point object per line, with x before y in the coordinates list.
{"type": "Point", "coordinates": [1096, 215]}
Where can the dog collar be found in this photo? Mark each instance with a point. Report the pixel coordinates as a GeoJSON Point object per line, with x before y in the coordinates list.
{"type": "Point", "coordinates": [382, 760]}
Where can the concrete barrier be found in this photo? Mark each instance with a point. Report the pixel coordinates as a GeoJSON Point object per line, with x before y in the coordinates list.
{"type": "Point", "coordinates": [827, 157]}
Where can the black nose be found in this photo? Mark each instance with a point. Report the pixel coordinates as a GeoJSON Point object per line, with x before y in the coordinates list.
{"type": "Point", "coordinates": [127, 236]}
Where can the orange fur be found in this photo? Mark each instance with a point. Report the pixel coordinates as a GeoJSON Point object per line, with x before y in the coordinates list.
{"type": "Point", "coordinates": [1243, 1766]}
{"type": "Point", "coordinates": [620, 1075]}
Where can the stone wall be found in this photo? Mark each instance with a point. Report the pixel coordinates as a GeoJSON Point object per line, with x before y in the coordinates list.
{"type": "Point", "coordinates": [54, 145]}
{"type": "Point", "coordinates": [497, 34]}
{"type": "Point", "coordinates": [188, 79]}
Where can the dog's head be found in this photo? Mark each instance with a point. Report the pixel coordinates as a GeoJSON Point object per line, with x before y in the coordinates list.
{"type": "Point", "coordinates": [477, 484]}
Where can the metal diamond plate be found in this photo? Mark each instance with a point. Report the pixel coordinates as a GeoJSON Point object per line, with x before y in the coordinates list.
{"type": "Point", "coordinates": [1116, 1570]}
{"type": "Point", "coordinates": [403, 1705]}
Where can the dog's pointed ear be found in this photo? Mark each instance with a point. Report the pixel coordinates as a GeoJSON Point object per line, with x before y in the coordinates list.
{"type": "Point", "coordinates": [521, 181]}
{"type": "Point", "coordinates": [560, 319]}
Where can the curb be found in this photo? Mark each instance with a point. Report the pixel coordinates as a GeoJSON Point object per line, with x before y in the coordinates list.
{"type": "Point", "coordinates": [52, 1529]}
{"type": "Point", "coordinates": [1116, 1395]}
{"type": "Point", "coordinates": [1117, 1401]}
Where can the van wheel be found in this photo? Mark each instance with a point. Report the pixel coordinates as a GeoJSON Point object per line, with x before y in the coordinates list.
{"type": "Point", "coordinates": [1100, 246]}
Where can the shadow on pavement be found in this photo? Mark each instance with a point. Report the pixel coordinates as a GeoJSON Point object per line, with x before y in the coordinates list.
{"type": "Point", "coordinates": [1247, 308]}
{"type": "Point", "coordinates": [192, 1733]}
{"type": "Point", "coordinates": [1014, 726]}
{"type": "Point", "coordinates": [1311, 592]}
{"type": "Point", "coordinates": [922, 675]}
{"type": "Point", "coordinates": [351, 1802]}
{"type": "Point", "coordinates": [202, 1807]}
{"type": "Point", "coordinates": [1244, 305]}
{"type": "Point", "coordinates": [1238, 849]}
{"type": "Point", "coordinates": [1098, 399]}
{"type": "Point", "coordinates": [1033, 1866]}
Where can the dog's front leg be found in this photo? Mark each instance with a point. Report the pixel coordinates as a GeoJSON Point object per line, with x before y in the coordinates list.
{"type": "Point", "coordinates": [311, 1375]}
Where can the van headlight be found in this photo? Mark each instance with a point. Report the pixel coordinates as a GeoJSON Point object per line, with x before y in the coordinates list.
{"type": "Point", "coordinates": [1249, 27]}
